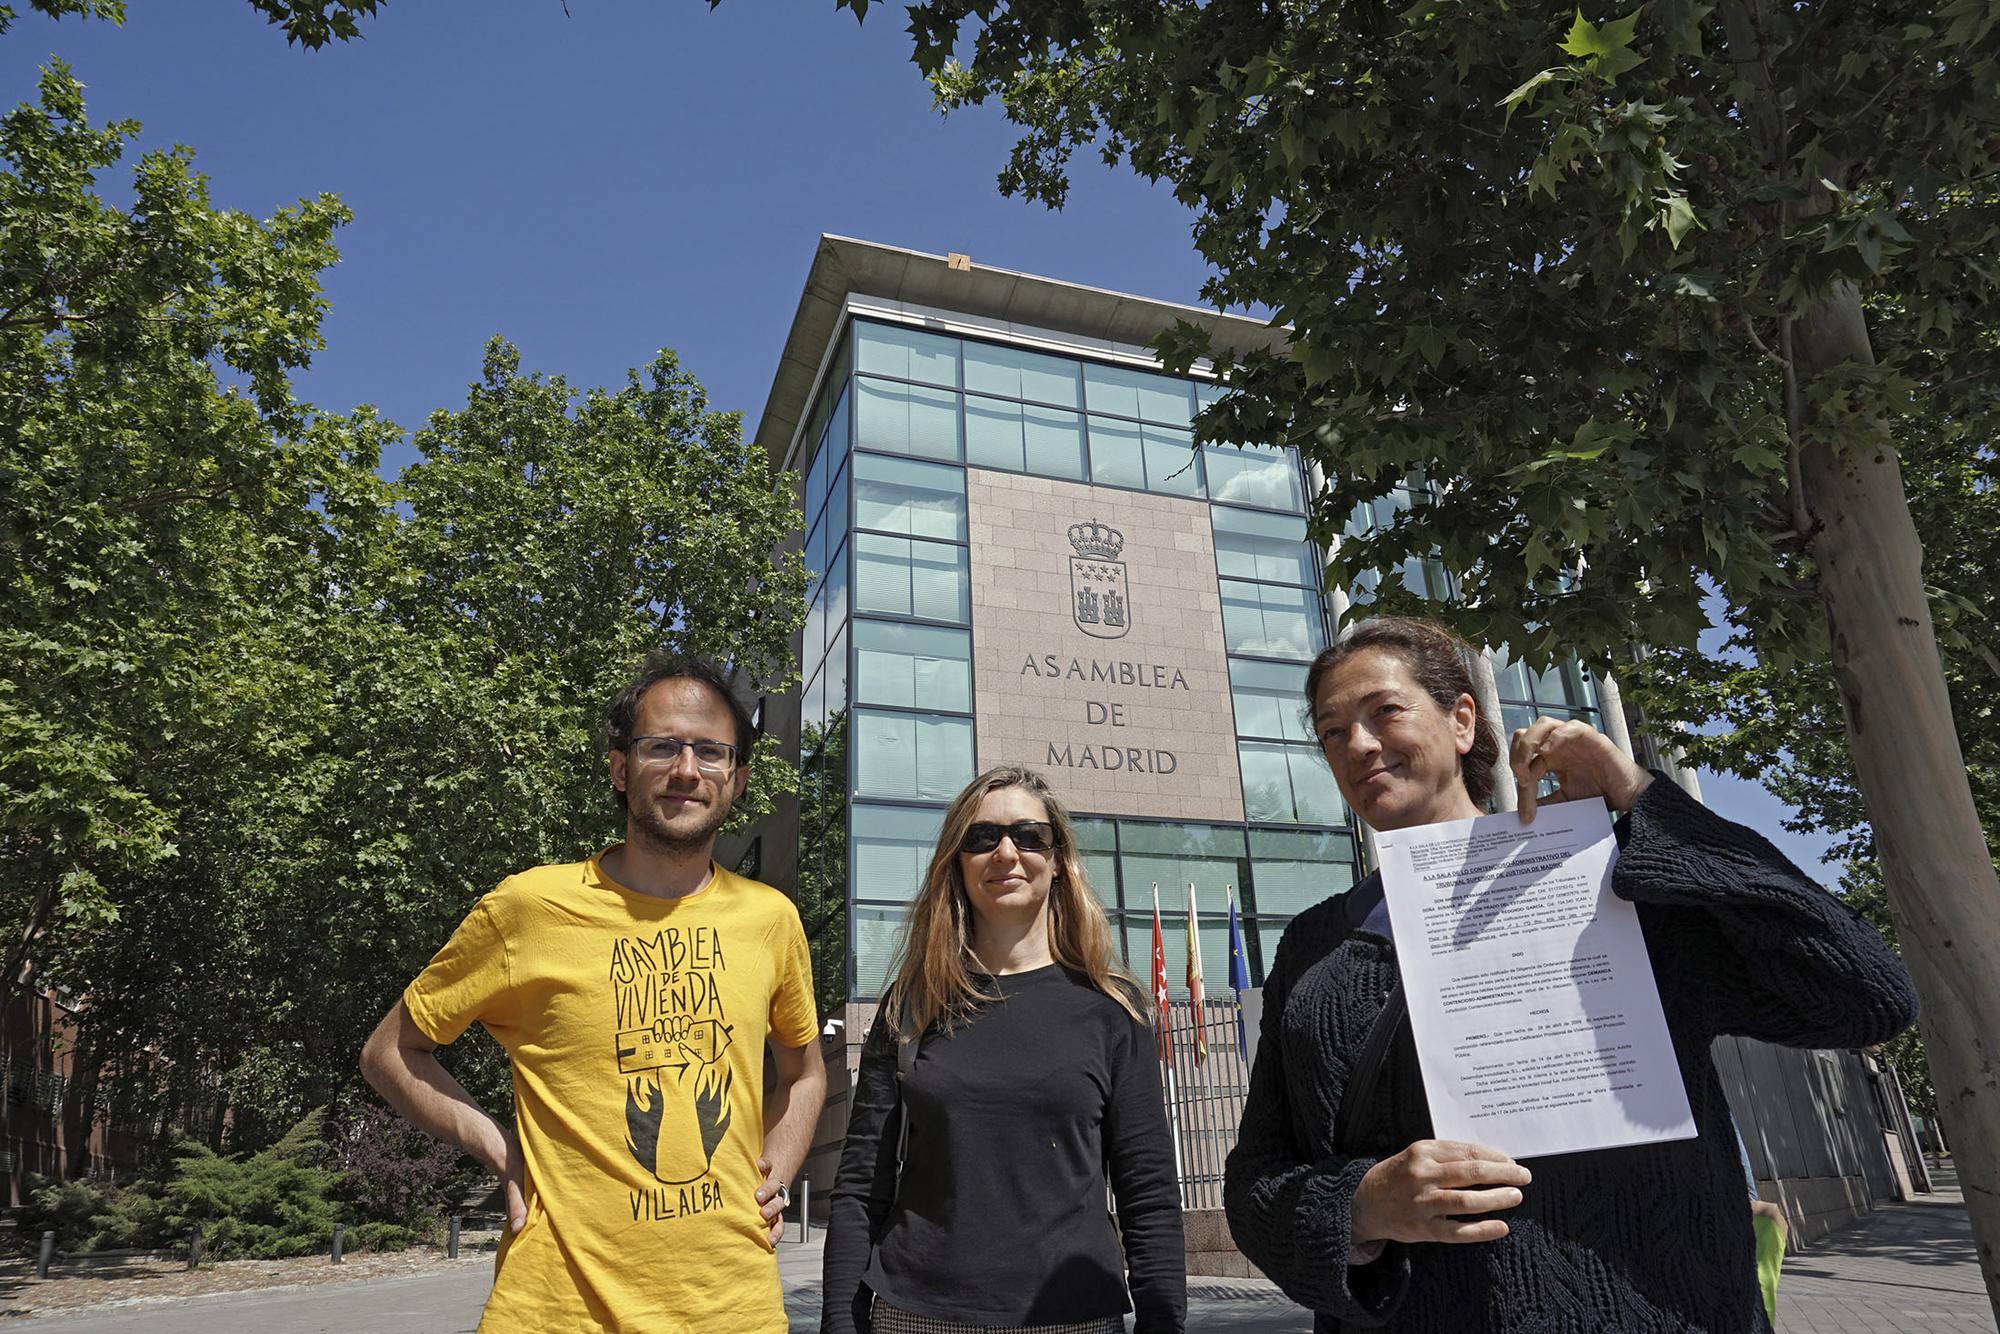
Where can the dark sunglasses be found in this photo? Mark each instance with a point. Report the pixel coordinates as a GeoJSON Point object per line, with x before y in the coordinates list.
{"type": "Point", "coordinates": [1028, 836]}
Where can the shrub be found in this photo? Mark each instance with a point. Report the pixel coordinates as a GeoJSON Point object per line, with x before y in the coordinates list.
{"type": "Point", "coordinates": [393, 1172]}
{"type": "Point", "coordinates": [381, 1237]}
{"type": "Point", "coordinates": [69, 1208]}
{"type": "Point", "coordinates": [273, 1203]}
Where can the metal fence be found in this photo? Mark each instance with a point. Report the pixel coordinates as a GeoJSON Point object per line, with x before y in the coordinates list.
{"type": "Point", "coordinates": [1204, 1098]}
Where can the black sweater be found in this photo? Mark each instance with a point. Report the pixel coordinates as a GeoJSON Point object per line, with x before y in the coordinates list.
{"type": "Point", "coordinates": [1015, 1118]}
{"type": "Point", "coordinates": [1647, 1238]}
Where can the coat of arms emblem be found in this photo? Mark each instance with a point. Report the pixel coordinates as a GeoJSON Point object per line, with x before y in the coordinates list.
{"type": "Point", "coordinates": [1100, 601]}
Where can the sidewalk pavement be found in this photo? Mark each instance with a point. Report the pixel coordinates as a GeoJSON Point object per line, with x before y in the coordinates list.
{"type": "Point", "coordinates": [1907, 1268]}
{"type": "Point", "coordinates": [1904, 1269]}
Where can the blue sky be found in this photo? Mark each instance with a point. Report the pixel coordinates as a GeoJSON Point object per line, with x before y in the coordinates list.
{"type": "Point", "coordinates": [634, 175]}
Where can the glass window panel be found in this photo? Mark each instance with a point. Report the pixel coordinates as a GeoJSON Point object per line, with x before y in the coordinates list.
{"type": "Point", "coordinates": [892, 850]}
{"type": "Point", "coordinates": [881, 574]}
{"type": "Point", "coordinates": [1510, 678]}
{"type": "Point", "coordinates": [1135, 393]}
{"type": "Point", "coordinates": [993, 435]}
{"type": "Point", "coordinates": [944, 757]}
{"type": "Point", "coordinates": [1295, 870]}
{"type": "Point", "coordinates": [835, 674]}
{"type": "Point", "coordinates": [812, 642]}
{"type": "Point", "coordinates": [1425, 577]}
{"type": "Point", "coordinates": [910, 755]}
{"type": "Point", "coordinates": [940, 582]}
{"type": "Point", "coordinates": [836, 593]}
{"type": "Point", "coordinates": [1271, 621]}
{"type": "Point", "coordinates": [1207, 392]}
{"type": "Point", "coordinates": [903, 576]}
{"type": "Point", "coordinates": [1315, 795]}
{"type": "Point", "coordinates": [907, 419]}
{"type": "Point", "coordinates": [1136, 932]}
{"type": "Point", "coordinates": [885, 754]}
{"type": "Point", "coordinates": [835, 445]}
{"type": "Point", "coordinates": [812, 705]}
{"type": "Point", "coordinates": [878, 934]}
{"type": "Point", "coordinates": [1047, 442]}
{"type": "Point", "coordinates": [836, 521]}
{"type": "Point", "coordinates": [906, 496]}
{"type": "Point", "coordinates": [1117, 453]}
{"type": "Point", "coordinates": [910, 665]}
{"type": "Point", "coordinates": [1269, 933]}
{"type": "Point", "coordinates": [1263, 475]}
{"type": "Point", "coordinates": [815, 557]}
{"type": "Point", "coordinates": [1017, 373]}
{"type": "Point", "coordinates": [815, 493]}
{"type": "Point", "coordinates": [1097, 850]}
{"type": "Point", "coordinates": [1270, 547]}
{"type": "Point", "coordinates": [1210, 855]}
{"type": "Point", "coordinates": [1172, 464]}
{"type": "Point", "coordinates": [1267, 782]}
{"type": "Point", "coordinates": [907, 354]}
{"type": "Point", "coordinates": [1054, 442]}
{"type": "Point", "coordinates": [1270, 698]}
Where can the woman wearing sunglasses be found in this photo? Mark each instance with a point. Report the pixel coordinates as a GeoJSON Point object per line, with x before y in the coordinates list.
{"type": "Point", "coordinates": [1008, 1079]}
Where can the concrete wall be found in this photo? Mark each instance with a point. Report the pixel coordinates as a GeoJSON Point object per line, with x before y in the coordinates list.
{"type": "Point", "coordinates": [1814, 1125]}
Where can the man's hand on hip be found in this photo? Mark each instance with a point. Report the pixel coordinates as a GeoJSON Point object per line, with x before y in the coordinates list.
{"type": "Point", "coordinates": [772, 1197]}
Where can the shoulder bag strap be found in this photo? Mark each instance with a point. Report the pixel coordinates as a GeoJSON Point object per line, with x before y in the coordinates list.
{"type": "Point", "coordinates": [1367, 1071]}
{"type": "Point", "coordinates": [906, 1061]}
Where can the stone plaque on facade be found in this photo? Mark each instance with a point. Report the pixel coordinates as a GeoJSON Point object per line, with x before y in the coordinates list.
{"type": "Point", "coordinates": [1097, 652]}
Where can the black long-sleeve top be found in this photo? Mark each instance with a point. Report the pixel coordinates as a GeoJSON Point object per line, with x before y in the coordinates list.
{"type": "Point", "coordinates": [1018, 1117]}
{"type": "Point", "coordinates": [1645, 1238]}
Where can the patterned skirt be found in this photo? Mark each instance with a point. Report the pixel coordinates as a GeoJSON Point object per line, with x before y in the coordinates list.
{"type": "Point", "coordinates": [889, 1320]}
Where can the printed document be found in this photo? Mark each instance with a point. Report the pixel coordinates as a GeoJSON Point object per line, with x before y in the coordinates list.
{"type": "Point", "coordinates": [1532, 1000]}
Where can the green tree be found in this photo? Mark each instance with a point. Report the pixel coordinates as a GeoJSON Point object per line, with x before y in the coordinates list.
{"type": "Point", "coordinates": [310, 23]}
{"type": "Point", "coordinates": [269, 723]}
{"type": "Point", "coordinates": [147, 507]}
{"type": "Point", "coordinates": [1651, 296]}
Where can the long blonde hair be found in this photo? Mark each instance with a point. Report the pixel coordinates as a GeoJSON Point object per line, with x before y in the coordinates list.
{"type": "Point", "coordinates": [935, 964]}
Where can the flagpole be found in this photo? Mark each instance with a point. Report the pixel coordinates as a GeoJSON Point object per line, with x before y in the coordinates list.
{"type": "Point", "coordinates": [1164, 1048]}
{"type": "Point", "coordinates": [1198, 1005]}
{"type": "Point", "coordinates": [1238, 975]}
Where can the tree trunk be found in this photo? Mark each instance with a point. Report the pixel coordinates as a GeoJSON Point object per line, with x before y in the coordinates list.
{"type": "Point", "coordinates": [1935, 862]}
{"type": "Point", "coordinates": [1938, 871]}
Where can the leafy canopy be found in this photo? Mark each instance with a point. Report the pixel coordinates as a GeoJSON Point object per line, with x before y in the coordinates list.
{"type": "Point", "coordinates": [1538, 255]}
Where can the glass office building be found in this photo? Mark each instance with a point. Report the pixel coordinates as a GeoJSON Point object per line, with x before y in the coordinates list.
{"type": "Point", "coordinates": [1020, 555]}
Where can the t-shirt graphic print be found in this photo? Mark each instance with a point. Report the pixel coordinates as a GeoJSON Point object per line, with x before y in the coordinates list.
{"type": "Point", "coordinates": [673, 1034]}
{"type": "Point", "coordinates": [636, 1029]}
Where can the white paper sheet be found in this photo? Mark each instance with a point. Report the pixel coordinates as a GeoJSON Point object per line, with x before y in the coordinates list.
{"type": "Point", "coordinates": [1532, 999]}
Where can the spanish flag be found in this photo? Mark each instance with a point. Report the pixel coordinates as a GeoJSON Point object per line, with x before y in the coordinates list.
{"type": "Point", "coordinates": [1194, 980]}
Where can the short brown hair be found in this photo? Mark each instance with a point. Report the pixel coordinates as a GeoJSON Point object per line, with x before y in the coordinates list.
{"type": "Point", "coordinates": [1437, 658]}
{"type": "Point", "coordinates": [623, 714]}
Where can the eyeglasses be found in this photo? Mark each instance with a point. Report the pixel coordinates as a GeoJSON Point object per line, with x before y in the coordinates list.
{"type": "Point", "coordinates": [1028, 836]}
{"type": "Point", "coordinates": [714, 757]}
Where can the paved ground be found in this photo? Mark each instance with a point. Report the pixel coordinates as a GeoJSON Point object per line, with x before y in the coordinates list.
{"type": "Point", "coordinates": [1906, 1269]}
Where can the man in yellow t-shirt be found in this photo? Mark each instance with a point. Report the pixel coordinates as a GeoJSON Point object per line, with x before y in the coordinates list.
{"type": "Point", "coordinates": [635, 994]}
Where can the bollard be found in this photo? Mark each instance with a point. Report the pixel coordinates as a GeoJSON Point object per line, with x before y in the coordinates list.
{"type": "Point", "coordinates": [48, 1254]}
{"type": "Point", "coordinates": [339, 1240]}
{"type": "Point", "coordinates": [194, 1248]}
{"type": "Point", "coordinates": [451, 1239]}
{"type": "Point", "coordinates": [805, 1210]}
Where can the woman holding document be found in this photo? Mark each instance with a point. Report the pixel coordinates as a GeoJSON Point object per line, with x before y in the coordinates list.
{"type": "Point", "coordinates": [1337, 1190]}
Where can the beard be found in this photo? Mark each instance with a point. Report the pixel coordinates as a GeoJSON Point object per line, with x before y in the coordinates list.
{"type": "Point", "coordinates": [645, 826]}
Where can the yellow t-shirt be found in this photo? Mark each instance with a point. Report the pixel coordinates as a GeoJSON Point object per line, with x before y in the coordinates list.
{"type": "Point", "coordinates": [636, 1027]}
